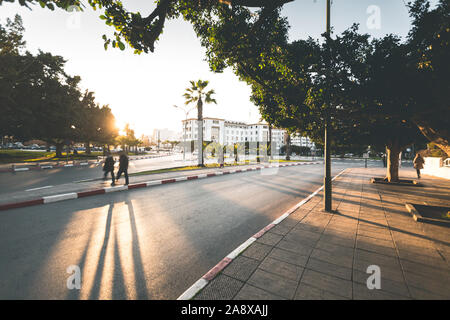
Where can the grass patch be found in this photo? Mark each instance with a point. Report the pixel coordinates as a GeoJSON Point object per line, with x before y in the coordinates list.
{"type": "Point", "coordinates": [188, 168]}
{"type": "Point", "coordinates": [11, 156]}
{"type": "Point", "coordinates": [284, 160]}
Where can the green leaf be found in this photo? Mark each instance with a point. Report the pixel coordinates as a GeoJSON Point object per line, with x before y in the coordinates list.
{"type": "Point", "coordinates": [121, 45]}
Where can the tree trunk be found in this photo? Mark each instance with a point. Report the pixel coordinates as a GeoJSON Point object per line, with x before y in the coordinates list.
{"type": "Point", "coordinates": [393, 152]}
{"type": "Point", "coordinates": [269, 147]}
{"type": "Point", "coordinates": [87, 145]}
{"type": "Point", "coordinates": [257, 152]}
{"type": "Point", "coordinates": [200, 132]}
{"type": "Point", "coordinates": [59, 148]}
{"type": "Point", "coordinates": [288, 147]}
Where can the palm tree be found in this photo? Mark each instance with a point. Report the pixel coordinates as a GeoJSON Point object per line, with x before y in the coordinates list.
{"type": "Point", "coordinates": [197, 94]}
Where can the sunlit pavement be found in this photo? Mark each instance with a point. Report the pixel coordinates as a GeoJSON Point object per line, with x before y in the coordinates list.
{"type": "Point", "coordinates": [146, 244]}
{"type": "Point", "coordinates": [369, 248]}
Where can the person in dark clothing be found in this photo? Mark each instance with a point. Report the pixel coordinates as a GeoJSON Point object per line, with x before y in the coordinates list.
{"type": "Point", "coordinates": [418, 164]}
{"type": "Point", "coordinates": [384, 160]}
{"type": "Point", "coordinates": [123, 167]}
{"type": "Point", "coordinates": [108, 166]}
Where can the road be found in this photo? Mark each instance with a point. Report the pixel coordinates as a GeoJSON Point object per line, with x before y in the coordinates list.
{"type": "Point", "coordinates": [51, 178]}
{"type": "Point", "coordinates": [143, 244]}
{"type": "Point", "coordinates": [28, 181]}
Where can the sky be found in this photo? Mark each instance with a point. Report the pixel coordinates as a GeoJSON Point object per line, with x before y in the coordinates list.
{"type": "Point", "coordinates": [142, 89]}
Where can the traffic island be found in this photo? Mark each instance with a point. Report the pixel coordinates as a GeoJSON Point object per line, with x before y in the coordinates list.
{"type": "Point", "coordinates": [429, 214]}
{"type": "Point", "coordinates": [401, 182]}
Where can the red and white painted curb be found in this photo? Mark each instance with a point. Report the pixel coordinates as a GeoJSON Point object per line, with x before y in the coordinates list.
{"type": "Point", "coordinates": [211, 274]}
{"type": "Point", "coordinates": [75, 195]}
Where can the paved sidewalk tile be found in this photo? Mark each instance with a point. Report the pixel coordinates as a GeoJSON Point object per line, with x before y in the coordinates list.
{"type": "Point", "coordinates": [317, 255]}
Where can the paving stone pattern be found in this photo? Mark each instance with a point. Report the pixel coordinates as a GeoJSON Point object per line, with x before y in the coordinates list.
{"type": "Point", "coordinates": [317, 255]}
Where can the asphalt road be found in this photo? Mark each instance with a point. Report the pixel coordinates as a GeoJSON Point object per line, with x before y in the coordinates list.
{"type": "Point", "coordinates": [28, 181]}
{"type": "Point", "coordinates": [51, 178]}
{"type": "Point", "coordinates": [143, 244]}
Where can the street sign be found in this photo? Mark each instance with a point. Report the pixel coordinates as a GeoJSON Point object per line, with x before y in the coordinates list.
{"type": "Point", "coordinates": [366, 155]}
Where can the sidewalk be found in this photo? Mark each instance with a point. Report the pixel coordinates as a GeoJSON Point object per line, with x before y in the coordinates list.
{"type": "Point", "coordinates": [316, 255]}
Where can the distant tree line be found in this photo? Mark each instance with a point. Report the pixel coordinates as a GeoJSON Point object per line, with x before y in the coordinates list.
{"type": "Point", "coordinates": [39, 100]}
{"type": "Point", "coordinates": [386, 92]}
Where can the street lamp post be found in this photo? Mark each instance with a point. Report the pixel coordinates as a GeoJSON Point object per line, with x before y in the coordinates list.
{"type": "Point", "coordinates": [327, 178]}
{"type": "Point", "coordinates": [186, 112]}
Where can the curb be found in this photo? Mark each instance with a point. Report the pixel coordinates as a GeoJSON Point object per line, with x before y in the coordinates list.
{"type": "Point", "coordinates": [82, 194]}
{"type": "Point", "coordinates": [211, 274]}
{"type": "Point", "coordinates": [419, 218]}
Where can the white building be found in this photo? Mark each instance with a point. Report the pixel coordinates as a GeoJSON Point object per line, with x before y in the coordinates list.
{"type": "Point", "coordinates": [228, 132]}
{"type": "Point", "coordinates": [300, 141]}
{"type": "Point", "coordinates": [165, 134]}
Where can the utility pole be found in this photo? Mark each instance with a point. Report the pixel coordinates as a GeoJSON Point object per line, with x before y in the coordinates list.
{"type": "Point", "coordinates": [327, 202]}
{"type": "Point", "coordinates": [158, 141]}
{"type": "Point", "coordinates": [186, 113]}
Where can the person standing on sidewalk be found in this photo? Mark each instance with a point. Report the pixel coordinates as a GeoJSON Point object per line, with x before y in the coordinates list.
{"type": "Point", "coordinates": [108, 166]}
{"type": "Point", "coordinates": [123, 167]}
{"type": "Point", "coordinates": [418, 164]}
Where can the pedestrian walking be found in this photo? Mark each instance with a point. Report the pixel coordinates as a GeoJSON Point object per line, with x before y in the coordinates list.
{"type": "Point", "coordinates": [418, 164]}
{"type": "Point", "coordinates": [221, 156]}
{"type": "Point", "coordinates": [123, 167]}
{"type": "Point", "coordinates": [108, 167]}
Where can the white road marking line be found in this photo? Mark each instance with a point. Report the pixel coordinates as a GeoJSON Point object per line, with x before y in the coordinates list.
{"type": "Point", "coordinates": [33, 189]}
